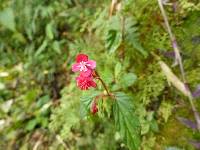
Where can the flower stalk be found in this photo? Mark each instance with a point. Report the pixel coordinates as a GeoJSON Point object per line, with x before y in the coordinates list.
{"type": "Point", "coordinates": [96, 75]}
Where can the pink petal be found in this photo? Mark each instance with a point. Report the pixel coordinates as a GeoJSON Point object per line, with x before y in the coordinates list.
{"type": "Point", "coordinates": [87, 73]}
{"type": "Point", "coordinates": [78, 78]}
{"type": "Point", "coordinates": [84, 83]}
{"type": "Point", "coordinates": [75, 67]}
{"type": "Point", "coordinates": [92, 64]}
{"type": "Point", "coordinates": [81, 57]}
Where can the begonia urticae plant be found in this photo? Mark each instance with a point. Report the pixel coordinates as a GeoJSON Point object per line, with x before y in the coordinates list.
{"type": "Point", "coordinates": [126, 121]}
{"type": "Point", "coordinates": [85, 80]}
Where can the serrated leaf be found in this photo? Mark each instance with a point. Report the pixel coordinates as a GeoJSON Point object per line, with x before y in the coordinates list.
{"type": "Point", "coordinates": [113, 40]}
{"type": "Point", "coordinates": [86, 101]}
{"type": "Point", "coordinates": [126, 121]}
{"type": "Point", "coordinates": [113, 36]}
{"type": "Point", "coordinates": [132, 35]}
{"type": "Point", "coordinates": [107, 75]}
{"type": "Point", "coordinates": [7, 19]}
{"type": "Point", "coordinates": [83, 111]}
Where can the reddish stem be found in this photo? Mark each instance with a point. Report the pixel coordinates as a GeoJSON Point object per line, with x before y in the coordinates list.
{"type": "Point", "coordinates": [96, 75]}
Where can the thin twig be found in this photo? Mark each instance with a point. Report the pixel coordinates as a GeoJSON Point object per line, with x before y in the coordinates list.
{"type": "Point", "coordinates": [178, 60]}
{"type": "Point", "coordinates": [112, 7]}
{"type": "Point", "coordinates": [38, 143]}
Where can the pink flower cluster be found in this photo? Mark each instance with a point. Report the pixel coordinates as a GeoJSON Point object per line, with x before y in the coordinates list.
{"type": "Point", "coordinates": [85, 66]}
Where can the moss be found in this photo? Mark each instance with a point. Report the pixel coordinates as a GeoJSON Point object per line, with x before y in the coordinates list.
{"type": "Point", "coordinates": [173, 133]}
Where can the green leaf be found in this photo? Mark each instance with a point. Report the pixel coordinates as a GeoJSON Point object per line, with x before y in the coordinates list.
{"type": "Point", "coordinates": [86, 101]}
{"type": "Point", "coordinates": [126, 121]}
{"type": "Point", "coordinates": [113, 34]}
{"type": "Point", "coordinates": [118, 68]}
{"type": "Point", "coordinates": [31, 124]}
{"type": "Point", "coordinates": [113, 40]}
{"type": "Point", "coordinates": [128, 79]}
{"type": "Point", "coordinates": [107, 75]}
{"type": "Point", "coordinates": [49, 31]}
{"type": "Point", "coordinates": [132, 35]}
{"type": "Point", "coordinates": [41, 48]}
{"type": "Point", "coordinates": [42, 100]}
{"type": "Point", "coordinates": [145, 127]}
{"type": "Point", "coordinates": [154, 126]}
{"type": "Point", "coordinates": [7, 19]}
{"type": "Point", "coordinates": [56, 47]}
{"type": "Point", "coordinates": [31, 95]}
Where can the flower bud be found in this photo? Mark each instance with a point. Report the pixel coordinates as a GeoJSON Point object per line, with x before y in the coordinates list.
{"type": "Point", "coordinates": [94, 108]}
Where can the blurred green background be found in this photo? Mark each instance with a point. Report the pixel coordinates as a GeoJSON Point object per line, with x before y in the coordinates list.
{"type": "Point", "coordinates": [39, 100]}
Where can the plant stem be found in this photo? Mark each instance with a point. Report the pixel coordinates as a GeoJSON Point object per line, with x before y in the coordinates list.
{"type": "Point", "coordinates": [196, 114]}
{"type": "Point", "coordinates": [96, 75]}
{"type": "Point", "coordinates": [178, 60]}
{"type": "Point", "coordinates": [173, 40]}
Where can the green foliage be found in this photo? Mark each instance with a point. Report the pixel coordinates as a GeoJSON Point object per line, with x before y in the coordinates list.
{"type": "Point", "coordinates": [113, 34]}
{"type": "Point", "coordinates": [60, 123]}
{"type": "Point", "coordinates": [149, 143]}
{"type": "Point", "coordinates": [7, 19]}
{"type": "Point", "coordinates": [118, 69]}
{"type": "Point", "coordinates": [132, 35]}
{"type": "Point", "coordinates": [165, 110]}
{"type": "Point", "coordinates": [122, 31]}
{"type": "Point", "coordinates": [128, 79]}
{"type": "Point", "coordinates": [126, 121]}
{"type": "Point", "coordinates": [39, 101]}
{"type": "Point", "coordinates": [151, 85]}
{"type": "Point", "coordinates": [86, 102]}
{"type": "Point", "coordinates": [119, 31]}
